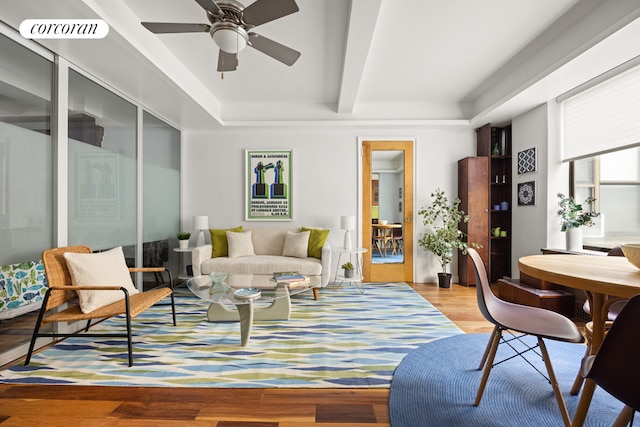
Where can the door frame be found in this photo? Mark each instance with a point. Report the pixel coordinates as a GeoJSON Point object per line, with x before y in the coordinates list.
{"type": "Point", "coordinates": [409, 199]}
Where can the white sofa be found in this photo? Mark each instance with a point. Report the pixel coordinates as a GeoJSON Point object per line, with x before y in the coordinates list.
{"type": "Point", "coordinates": [268, 246]}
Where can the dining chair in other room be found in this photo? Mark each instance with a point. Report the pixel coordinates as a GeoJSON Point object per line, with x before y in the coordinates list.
{"type": "Point", "coordinates": [615, 367]}
{"type": "Point", "coordinates": [397, 240]}
{"type": "Point", "coordinates": [520, 320]}
{"type": "Point", "coordinates": [377, 239]}
{"type": "Point", "coordinates": [612, 312]}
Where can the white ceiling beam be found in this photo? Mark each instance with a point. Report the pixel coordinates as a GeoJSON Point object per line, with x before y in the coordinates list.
{"type": "Point", "coordinates": [121, 19]}
{"type": "Point", "coordinates": [362, 24]}
{"type": "Point", "coordinates": [553, 55]}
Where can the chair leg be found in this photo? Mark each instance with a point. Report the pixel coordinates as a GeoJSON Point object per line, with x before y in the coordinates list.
{"type": "Point", "coordinates": [34, 337]}
{"type": "Point", "coordinates": [128, 318]}
{"type": "Point", "coordinates": [488, 347]}
{"type": "Point", "coordinates": [173, 309]}
{"type": "Point", "coordinates": [625, 417]}
{"type": "Point", "coordinates": [488, 365]}
{"type": "Point", "coordinates": [173, 302]}
{"type": "Point", "coordinates": [554, 383]}
{"type": "Point", "coordinates": [36, 329]}
{"type": "Point", "coordinates": [577, 383]}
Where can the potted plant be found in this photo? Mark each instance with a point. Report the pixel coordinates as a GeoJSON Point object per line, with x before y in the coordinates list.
{"type": "Point", "coordinates": [573, 216]}
{"type": "Point", "coordinates": [183, 239]}
{"type": "Point", "coordinates": [348, 270]}
{"type": "Point", "coordinates": [443, 218]}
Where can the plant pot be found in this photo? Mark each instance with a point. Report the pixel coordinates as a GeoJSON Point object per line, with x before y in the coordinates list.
{"type": "Point", "coordinates": [574, 239]}
{"type": "Point", "coordinates": [183, 244]}
{"type": "Point", "coordinates": [348, 274]}
{"type": "Point", "coordinates": [444, 280]}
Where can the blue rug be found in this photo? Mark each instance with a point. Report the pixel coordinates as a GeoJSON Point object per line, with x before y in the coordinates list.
{"type": "Point", "coordinates": [436, 385]}
{"type": "Point", "coordinates": [344, 339]}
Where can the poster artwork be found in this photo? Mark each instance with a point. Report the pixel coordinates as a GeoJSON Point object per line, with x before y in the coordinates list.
{"type": "Point", "coordinates": [269, 192]}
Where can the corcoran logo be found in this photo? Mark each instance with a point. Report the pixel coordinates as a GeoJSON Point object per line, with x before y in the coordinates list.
{"type": "Point", "coordinates": [64, 28]}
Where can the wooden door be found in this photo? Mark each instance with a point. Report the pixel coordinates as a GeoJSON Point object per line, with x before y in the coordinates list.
{"type": "Point", "coordinates": [397, 271]}
{"type": "Point", "coordinates": [473, 191]}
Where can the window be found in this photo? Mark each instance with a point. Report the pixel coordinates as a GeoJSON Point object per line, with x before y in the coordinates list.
{"type": "Point", "coordinates": [614, 180]}
{"type": "Point", "coordinates": [601, 138]}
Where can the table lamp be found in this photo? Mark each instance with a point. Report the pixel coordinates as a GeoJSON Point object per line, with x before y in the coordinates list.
{"type": "Point", "coordinates": [200, 223]}
{"type": "Point", "coordinates": [347, 222]}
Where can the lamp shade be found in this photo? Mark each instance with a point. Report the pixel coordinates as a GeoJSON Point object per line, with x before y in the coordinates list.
{"type": "Point", "coordinates": [348, 222]}
{"type": "Point", "coordinates": [201, 222]}
{"type": "Point", "coordinates": [229, 37]}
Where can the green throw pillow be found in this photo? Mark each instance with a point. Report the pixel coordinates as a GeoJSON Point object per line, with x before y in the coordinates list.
{"type": "Point", "coordinates": [317, 238]}
{"type": "Point", "coordinates": [219, 241]}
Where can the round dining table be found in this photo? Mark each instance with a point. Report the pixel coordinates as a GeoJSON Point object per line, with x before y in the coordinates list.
{"type": "Point", "coordinates": [604, 279]}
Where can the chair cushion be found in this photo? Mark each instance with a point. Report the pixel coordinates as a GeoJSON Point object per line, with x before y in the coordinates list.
{"type": "Point", "coordinates": [317, 238]}
{"type": "Point", "coordinates": [240, 244]}
{"type": "Point", "coordinates": [219, 242]}
{"type": "Point", "coordinates": [296, 244]}
{"type": "Point", "coordinates": [107, 268]}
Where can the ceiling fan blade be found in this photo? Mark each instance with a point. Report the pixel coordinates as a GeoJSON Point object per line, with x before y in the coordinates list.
{"type": "Point", "coordinates": [210, 6]}
{"type": "Point", "coordinates": [172, 27]}
{"type": "Point", "coordinates": [263, 11]}
{"type": "Point", "coordinates": [227, 61]}
{"type": "Point", "coordinates": [277, 51]}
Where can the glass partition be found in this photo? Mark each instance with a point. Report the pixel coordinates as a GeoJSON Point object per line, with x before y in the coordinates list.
{"type": "Point", "coordinates": [26, 163]}
{"type": "Point", "coordinates": [102, 166]}
{"type": "Point", "coordinates": [161, 180]}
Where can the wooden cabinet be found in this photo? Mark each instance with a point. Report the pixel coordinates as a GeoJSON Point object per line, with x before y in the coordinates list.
{"type": "Point", "coordinates": [473, 192]}
{"type": "Point", "coordinates": [495, 143]}
{"type": "Point", "coordinates": [484, 188]}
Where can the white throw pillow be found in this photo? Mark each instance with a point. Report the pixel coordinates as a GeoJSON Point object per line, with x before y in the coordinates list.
{"type": "Point", "coordinates": [240, 244]}
{"type": "Point", "coordinates": [296, 244]}
{"type": "Point", "coordinates": [107, 268]}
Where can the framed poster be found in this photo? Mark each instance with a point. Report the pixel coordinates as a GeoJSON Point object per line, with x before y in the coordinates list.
{"type": "Point", "coordinates": [268, 185]}
{"type": "Point", "coordinates": [527, 193]}
{"type": "Point", "coordinates": [527, 161]}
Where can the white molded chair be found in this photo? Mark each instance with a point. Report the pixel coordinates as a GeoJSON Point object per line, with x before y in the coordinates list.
{"type": "Point", "coordinates": [524, 320]}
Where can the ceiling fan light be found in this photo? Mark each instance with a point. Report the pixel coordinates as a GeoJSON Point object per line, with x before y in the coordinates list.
{"type": "Point", "coordinates": [229, 37]}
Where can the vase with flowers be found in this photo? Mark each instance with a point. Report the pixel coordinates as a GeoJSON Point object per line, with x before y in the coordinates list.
{"type": "Point", "coordinates": [573, 216]}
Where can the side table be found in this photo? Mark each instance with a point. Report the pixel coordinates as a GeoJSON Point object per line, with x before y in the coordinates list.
{"type": "Point", "coordinates": [183, 275]}
{"type": "Point", "coordinates": [355, 257]}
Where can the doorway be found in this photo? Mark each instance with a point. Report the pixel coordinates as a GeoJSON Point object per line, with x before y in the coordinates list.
{"type": "Point", "coordinates": [387, 210]}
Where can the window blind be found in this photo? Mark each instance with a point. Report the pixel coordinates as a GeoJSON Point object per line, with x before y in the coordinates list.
{"type": "Point", "coordinates": [603, 118]}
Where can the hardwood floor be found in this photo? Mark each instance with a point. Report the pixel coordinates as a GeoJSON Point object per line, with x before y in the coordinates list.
{"type": "Point", "coordinates": [43, 405]}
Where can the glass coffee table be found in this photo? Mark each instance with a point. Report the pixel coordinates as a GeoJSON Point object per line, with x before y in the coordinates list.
{"type": "Point", "coordinates": [246, 297]}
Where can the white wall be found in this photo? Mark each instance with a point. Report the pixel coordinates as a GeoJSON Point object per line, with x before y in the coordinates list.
{"type": "Point", "coordinates": [325, 175]}
{"type": "Point", "coordinates": [537, 227]}
{"type": "Point", "coordinates": [529, 130]}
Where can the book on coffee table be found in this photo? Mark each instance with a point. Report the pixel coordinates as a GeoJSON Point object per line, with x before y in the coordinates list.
{"type": "Point", "coordinates": [288, 277]}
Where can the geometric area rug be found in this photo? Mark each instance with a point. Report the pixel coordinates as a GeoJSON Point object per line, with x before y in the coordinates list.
{"type": "Point", "coordinates": [344, 339]}
{"type": "Point", "coordinates": [436, 385]}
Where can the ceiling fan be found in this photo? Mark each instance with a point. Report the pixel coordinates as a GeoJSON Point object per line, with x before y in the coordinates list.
{"type": "Point", "coordinates": [230, 29]}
